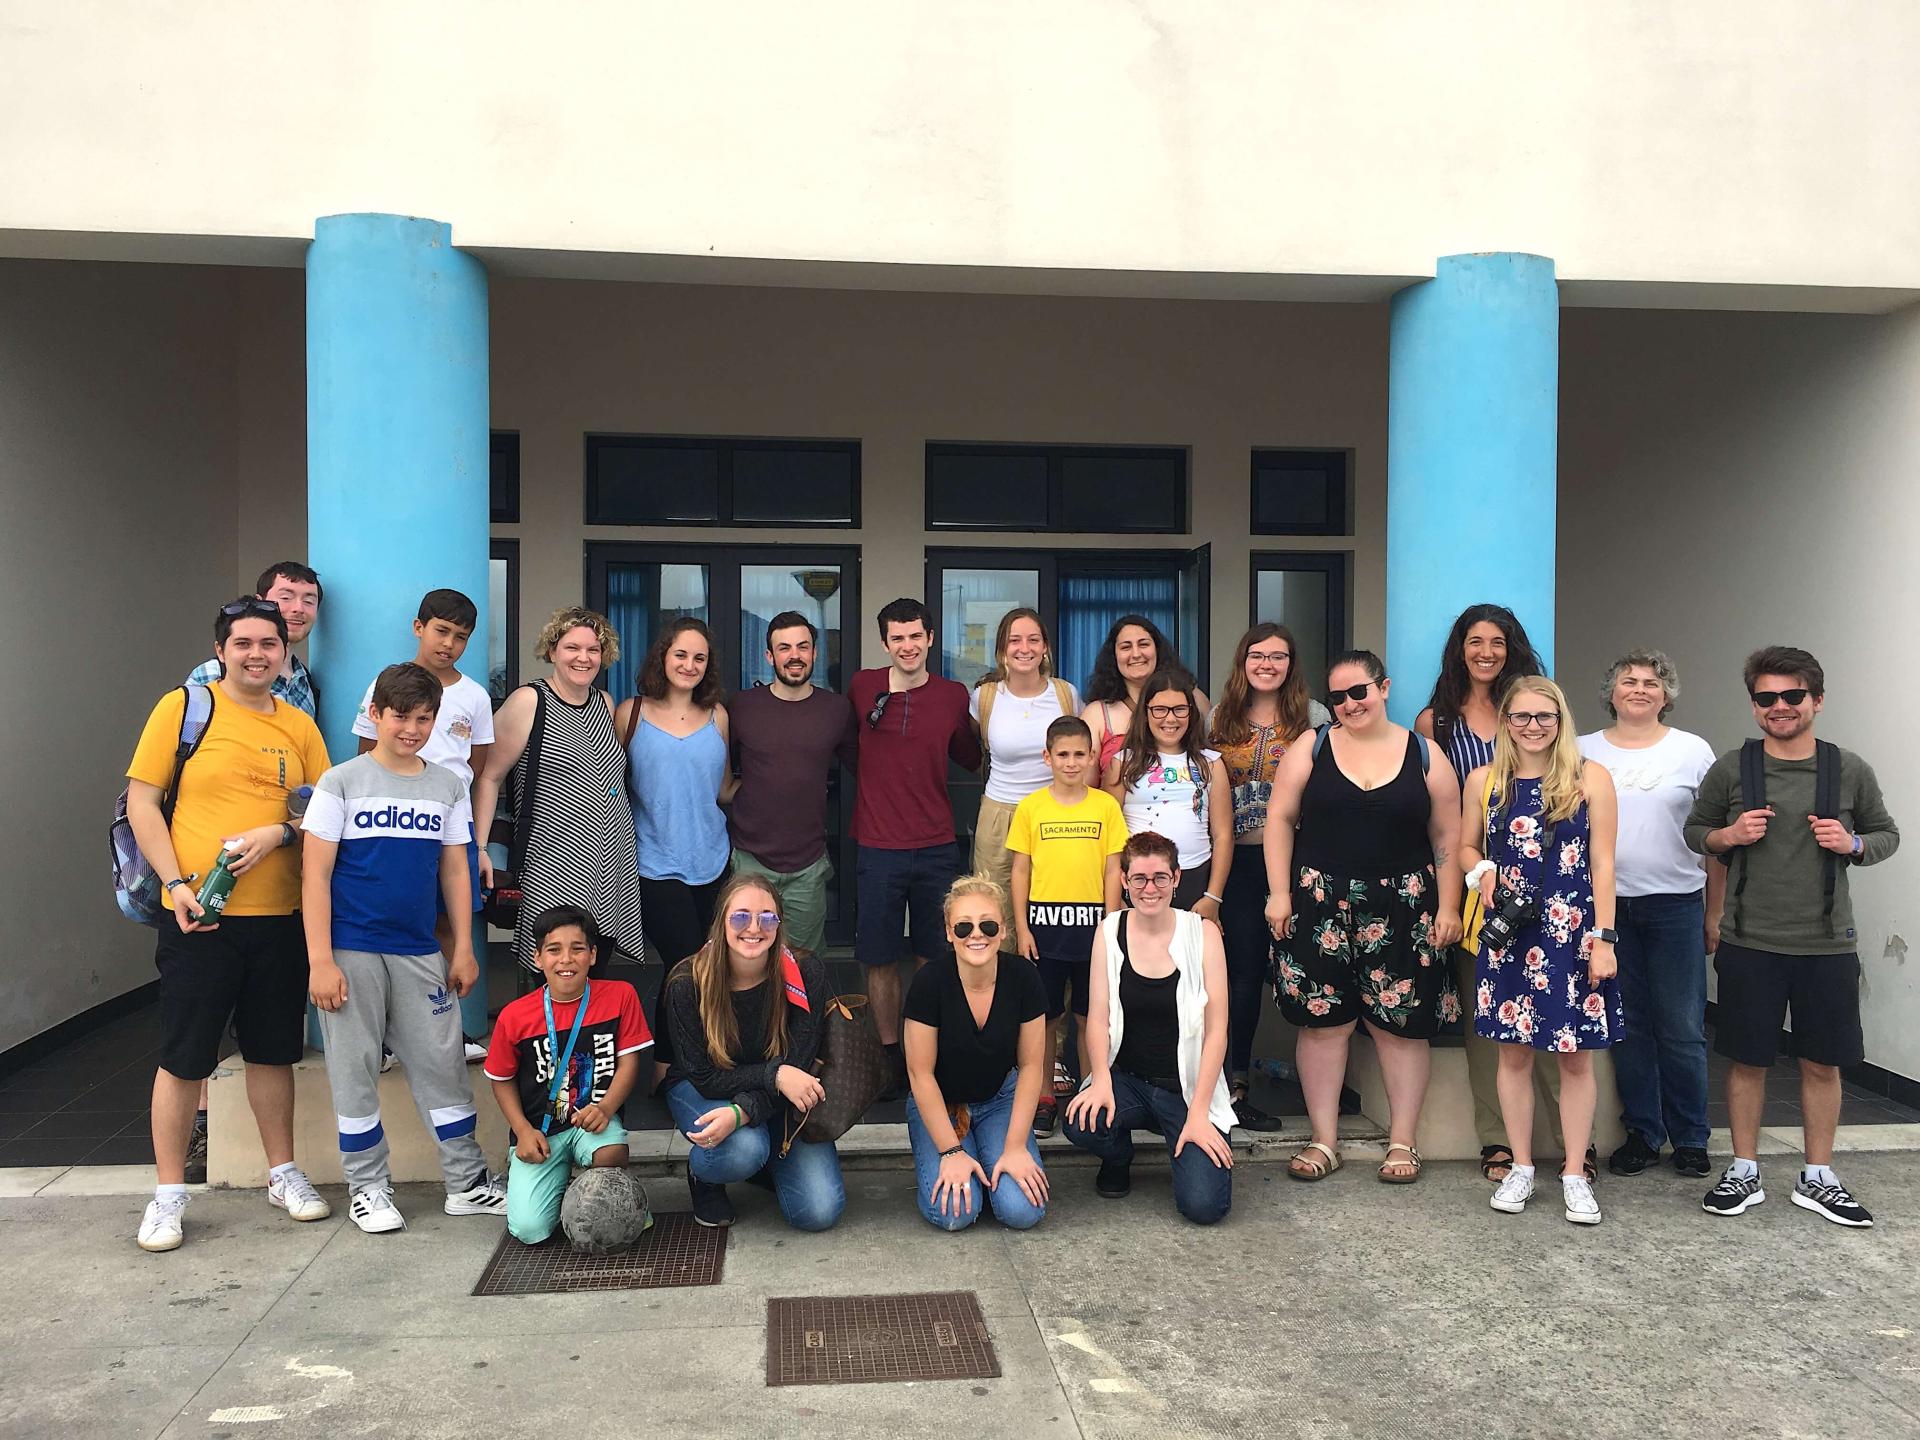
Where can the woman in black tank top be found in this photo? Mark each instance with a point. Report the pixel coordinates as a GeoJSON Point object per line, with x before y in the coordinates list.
{"type": "Point", "coordinates": [1363, 901]}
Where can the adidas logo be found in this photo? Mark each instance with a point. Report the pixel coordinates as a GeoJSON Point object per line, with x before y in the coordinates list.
{"type": "Point", "coordinates": [392, 817]}
{"type": "Point", "coordinates": [441, 999]}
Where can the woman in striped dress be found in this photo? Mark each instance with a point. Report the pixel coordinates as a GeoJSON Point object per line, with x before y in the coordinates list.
{"type": "Point", "coordinates": [579, 844]}
{"type": "Point", "coordinates": [1487, 650]}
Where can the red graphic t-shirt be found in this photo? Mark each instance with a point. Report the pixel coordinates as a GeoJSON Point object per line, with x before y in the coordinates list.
{"type": "Point", "coordinates": [614, 1025]}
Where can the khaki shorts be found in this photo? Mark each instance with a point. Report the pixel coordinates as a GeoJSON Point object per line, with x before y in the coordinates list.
{"type": "Point", "coordinates": [990, 854]}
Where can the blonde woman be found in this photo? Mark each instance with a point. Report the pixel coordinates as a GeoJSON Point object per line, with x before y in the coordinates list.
{"type": "Point", "coordinates": [743, 1013]}
{"type": "Point", "coordinates": [1537, 835]}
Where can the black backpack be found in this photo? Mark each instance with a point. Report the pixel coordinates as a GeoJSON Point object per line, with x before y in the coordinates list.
{"type": "Point", "coordinates": [1826, 806]}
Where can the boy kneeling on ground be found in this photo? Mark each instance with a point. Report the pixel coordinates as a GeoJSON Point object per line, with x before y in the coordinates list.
{"type": "Point", "coordinates": [562, 1062]}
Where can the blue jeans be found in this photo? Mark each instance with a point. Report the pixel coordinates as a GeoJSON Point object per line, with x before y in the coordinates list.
{"type": "Point", "coordinates": [1202, 1190]}
{"type": "Point", "coordinates": [985, 1139]}
{"type": "Point", "coordinates": [806, 1180]}
{"type": "Point", "coordinates": [1661, 1063]}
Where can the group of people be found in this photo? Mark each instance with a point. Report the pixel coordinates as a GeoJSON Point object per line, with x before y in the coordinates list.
{"type": "Point", "coordinates": [1144, 861]}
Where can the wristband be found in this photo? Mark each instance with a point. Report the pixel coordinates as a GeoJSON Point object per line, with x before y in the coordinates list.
{"type": "Point", "coordinates": [1473, 875]}
{"type": "Point", "coordinates": [287, 832]}
{"type": "Point", "coordinates": [168, 887]}
{"type": "Point", "coordinates": [739, 1115]}
{"type": "Point", "coordinates": [956, 1150]}
{"type": "Point", "coordinates": [1209, 895]}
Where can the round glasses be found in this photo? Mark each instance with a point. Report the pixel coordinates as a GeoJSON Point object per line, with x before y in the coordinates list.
{"type": "Point", "coordinates": [738, 920]}
{"type": "Point", "coordinates": [1158, 881]}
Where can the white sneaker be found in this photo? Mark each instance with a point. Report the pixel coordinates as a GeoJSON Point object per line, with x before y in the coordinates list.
{"type": "Point", "coordinates": [489, 1197]}
{"type": "Point", "coordinates": [373, 1210]}
{"type": "Point", "coordinates": [1514, 1192]}
{"type": "Point", "coordinates": [476, 1052]}
{"type": "Point", "coordinates": [294, 1193]}
{"type": "Point", "coordinates": [387, 1060]}
{"type": "Point", "coordinates": [160, 1226]}
{"type": "Point", "coordinates": [1582, 1208]}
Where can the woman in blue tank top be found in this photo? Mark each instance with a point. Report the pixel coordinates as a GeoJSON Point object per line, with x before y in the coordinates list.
{"type": "Point", "coordinates": [675, 731]}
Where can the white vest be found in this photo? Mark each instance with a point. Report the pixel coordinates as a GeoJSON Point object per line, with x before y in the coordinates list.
{"type": "Point", "coordinates": [1190, 1005]}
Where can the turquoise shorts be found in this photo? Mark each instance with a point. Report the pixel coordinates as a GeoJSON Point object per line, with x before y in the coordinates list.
{"type": "Point", "coordinates": [534, 1192]}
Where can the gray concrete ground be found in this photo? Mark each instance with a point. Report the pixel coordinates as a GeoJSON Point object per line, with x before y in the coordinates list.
{"type": "Point", "coordinates": [1347, 1308]}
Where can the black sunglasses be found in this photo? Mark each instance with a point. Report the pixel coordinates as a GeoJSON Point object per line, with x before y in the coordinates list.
{"type": "Point", "coordinates": [963, 928]}
{"type": "Point", "coordinates": [251, 605]}
{"type": "Point", "coordinates": [1352, 692]}
{"type": "Point", "coordinates": [879, 709]}
{"type": "Point", "coordinates": [1767, 699]}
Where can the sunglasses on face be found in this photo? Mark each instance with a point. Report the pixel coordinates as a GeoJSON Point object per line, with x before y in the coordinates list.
{"type": "Point", "coordinates": [1767, 699]}
{"type": "Point", "coordinates": [738, 920]}
{"type": "Point", "coordinates": [1355, 693]}
{"type": "Point", "coordinates": [1168, 712]}
{"type": "Point", "coordinates": [1528, 719]}
{"type": "Point", "coordinates": [963, 928]}
{"type": "Point", "coordinates": [1158, 881]}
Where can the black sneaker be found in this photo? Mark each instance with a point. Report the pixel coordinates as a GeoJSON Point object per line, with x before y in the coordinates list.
{"type": "Point", "coordinates": [896, 1086]}
{"type": "Point", "coordinates": [710, 1204]}
{"type": "Point", "coordinates": [1634, 1156]}
{"type": "Point", "coordinates": [762, 1179]}
{"type": "Point", "coordinates": [1046, 1115]}
{"type": "Point", "coordinates": [197, 1155]}
{"type": "Point", "coordinates": [1692, 1160]}
{"type": "Point", "coordinates": [1735, 1194]}
{"type": "Point", "coordinates": [1115, 1179]}
{"type": "Point", "coordinates": [1252, 1117]}
{"type": "Point", "coordinates": [1833, 1202]}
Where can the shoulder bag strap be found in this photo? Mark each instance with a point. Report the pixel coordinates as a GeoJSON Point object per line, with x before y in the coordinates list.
{"type": "Point", "coordinates": [196, 717]}
{"type": "Point", "coordinates": [988, 691]}
{"type": "Point", "coordinates": [1753, 795]}
{"type": "Point", "coordinates": [1826, 805]}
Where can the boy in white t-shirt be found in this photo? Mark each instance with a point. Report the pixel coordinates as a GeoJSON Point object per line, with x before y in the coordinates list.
{"type": "Point", "coordinates": [461, 737]}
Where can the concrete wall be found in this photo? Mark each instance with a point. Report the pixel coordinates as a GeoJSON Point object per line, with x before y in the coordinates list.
{"type": "Point", "coordinates": [1752, 141]}
{"type": "Point", "coordinates": [118, 397]}
{"type": "Point", "coordinates": [1728, 481]}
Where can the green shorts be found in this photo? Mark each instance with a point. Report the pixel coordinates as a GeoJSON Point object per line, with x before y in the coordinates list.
{"type": "Point", "coordinates": [803, 897]}
{"type": "Point", "coordinates": [534, 1192]}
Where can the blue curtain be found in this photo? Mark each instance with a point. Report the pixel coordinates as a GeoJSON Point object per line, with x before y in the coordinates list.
{"type": "Point", "coordinates": [632, 592]}
{"type": "Point", "coordinates": [1089, 604]}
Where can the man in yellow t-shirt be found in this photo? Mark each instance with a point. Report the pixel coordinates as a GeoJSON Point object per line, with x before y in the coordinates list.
{"type": "Point", "coordinates": [250, 968]}
{"type": "Point", "coordinates": [1066, 842]}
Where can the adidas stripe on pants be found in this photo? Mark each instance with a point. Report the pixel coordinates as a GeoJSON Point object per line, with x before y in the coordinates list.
{"type": "Point", "coordinates": [403, 1002]}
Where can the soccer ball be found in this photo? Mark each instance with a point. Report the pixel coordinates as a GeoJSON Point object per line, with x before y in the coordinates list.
{"type": "Point", "coordinates": [605, 1209]}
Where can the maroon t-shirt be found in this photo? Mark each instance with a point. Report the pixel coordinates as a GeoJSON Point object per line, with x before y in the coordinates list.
{"type": "Point", "coordinates": [902, 802]}
{"type": "Point", "coordinates": [783, 751]}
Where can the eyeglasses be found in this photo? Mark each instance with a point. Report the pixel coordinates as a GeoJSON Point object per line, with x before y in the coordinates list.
{"type": "Point", "coordinates": [1169, 712]}
{"type": "Point", "coordinates": [251, 605]}
{"type": "Point", "coordinates": [738, 920]}
{"type": "Point", "coordinates": [1268, 657]}
{"type": "Point", "coordinates": [1532, 719]}
{"type": "Point", "coordinates": [1159, 881]}
{"type": "Point", "coordinates": [1355, 693]}
{"type": "Point", "coordinates": [1767, 699]}
{"type": "Point", "coordinates": [963, 928]}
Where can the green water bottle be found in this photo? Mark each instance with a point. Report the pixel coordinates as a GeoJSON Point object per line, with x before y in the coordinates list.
{"type": "Point", "coordinates": [215, 890]}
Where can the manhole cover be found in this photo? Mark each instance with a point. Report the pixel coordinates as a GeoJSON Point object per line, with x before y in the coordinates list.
{"type": "Point", "coordinates": [848, 1339]}
{"type": "Point", "coordinates": [675, 1251]}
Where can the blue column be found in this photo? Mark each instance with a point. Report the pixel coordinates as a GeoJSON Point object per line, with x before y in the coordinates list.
{"type": "Point", "coordinates": [1472, 402]}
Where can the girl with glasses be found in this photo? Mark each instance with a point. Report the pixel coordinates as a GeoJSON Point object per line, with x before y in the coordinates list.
{"type": "Point", "coordinates": [975, 1035]}
{"type": "Point", "coordinates": [744, 1013]}
{"type": "Point", "coordinates": [1168, 782]}
{"type": "Point", "coordinates": [1158, 1014]}
{"type": "Point", "coordinates": [1363, 903]}
{"type": "Point", "coordinates": [1537, 841]}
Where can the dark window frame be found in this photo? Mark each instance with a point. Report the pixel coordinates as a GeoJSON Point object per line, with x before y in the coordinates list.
{"type": "Point", "coordinates": [504, 443]}
{"type": "Point", "coordinates": [1336, 464]}
{"type": "Point", "coordinates": [1055, 457]}
{"type": "Point", "coordinates": [1337, 566]}
{"type": "Point", "coordinates": [726, 447]}
{"type": "Point", "coordinates": [509, 551]}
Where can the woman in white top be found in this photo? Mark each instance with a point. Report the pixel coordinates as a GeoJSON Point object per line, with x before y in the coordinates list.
{"type": "Point", "coordinates": [1668, 915]}
{"type": "Point", "coordinates": [1168, 782]}
{"type": "Point", "coordinates": [1013, 703]}
{"type": "Point", "coordinates": [1159, 995]}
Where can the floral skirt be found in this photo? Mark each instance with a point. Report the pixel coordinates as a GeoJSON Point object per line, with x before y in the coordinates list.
{"type": "Point", "coordinates": [1363, 950]}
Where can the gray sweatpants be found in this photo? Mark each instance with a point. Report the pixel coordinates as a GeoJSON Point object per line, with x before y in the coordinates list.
{"type": "Point", "coordinates": [403, 1002]}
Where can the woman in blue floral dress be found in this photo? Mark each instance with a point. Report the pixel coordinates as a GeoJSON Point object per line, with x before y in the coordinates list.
{"type": "Point", "coordinates": [1539, 825]}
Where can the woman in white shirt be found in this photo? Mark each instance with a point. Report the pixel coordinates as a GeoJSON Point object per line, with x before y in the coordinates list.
{"type": "Point", "coordinates": [1013, 704]}
{"type": "Point", "coordinates": [1668, 915]}
{"type": "Point", "coordinates": [1166, 781]}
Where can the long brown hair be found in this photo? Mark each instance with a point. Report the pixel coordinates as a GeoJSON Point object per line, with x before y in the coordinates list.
{"type": "Point", "coordinates": [998, 674]}
{"type": "Point", "coordinates": [1230, 723]}
{"type": "Point", "coordinates": [709, 973]}
{"type": "Point", "coordinates": [653, 682]}
{"type": "Point", "coordinates": [1143, 746]}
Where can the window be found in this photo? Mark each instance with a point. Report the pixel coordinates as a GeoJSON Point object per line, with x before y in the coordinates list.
{"type": "Point", "coordinates": [503, 619]}
{"type": "Point", "coordinates": [1299, 492]}
{"type": "Point", "coordinates": [1306, 591]}
{"type": "Point", "coordinates": [668, 480]}
{"type": "Point", "coordinates": [1057, 487]}
{"type": "Point", "coordinates": [503, 477]}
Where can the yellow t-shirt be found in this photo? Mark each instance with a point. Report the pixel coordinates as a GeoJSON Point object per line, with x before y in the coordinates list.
{"type": "Point", "coordinates": [1069, 844]}
{"type": "Point", "coordinates": [239, 778]}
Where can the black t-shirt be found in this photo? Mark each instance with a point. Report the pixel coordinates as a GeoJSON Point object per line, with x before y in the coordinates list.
{"type": "Point", "coordinates": [973, 1061]}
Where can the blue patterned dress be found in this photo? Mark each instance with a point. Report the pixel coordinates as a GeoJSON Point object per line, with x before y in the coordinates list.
{"type": "Point", "coordinates": [1536, 992]}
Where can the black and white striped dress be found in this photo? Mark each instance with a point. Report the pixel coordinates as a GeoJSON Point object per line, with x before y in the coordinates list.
{"type": "Point", "coordinates": [580, 848]}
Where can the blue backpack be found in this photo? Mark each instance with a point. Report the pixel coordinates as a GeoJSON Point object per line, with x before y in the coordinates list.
{"type": "Point", "coordinates": [135, 885]}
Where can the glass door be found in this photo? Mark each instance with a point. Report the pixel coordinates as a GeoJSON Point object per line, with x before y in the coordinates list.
{"type": "Point", "coordinates": [1306, 591]}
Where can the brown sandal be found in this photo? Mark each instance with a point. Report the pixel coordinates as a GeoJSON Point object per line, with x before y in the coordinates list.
{"type": "Point", "coordinates": [1495, 1157]}
{"type": "Point", "coordinates": [1304, 1166]}
{"type": "Point", "coordinates": [1413, 1159]}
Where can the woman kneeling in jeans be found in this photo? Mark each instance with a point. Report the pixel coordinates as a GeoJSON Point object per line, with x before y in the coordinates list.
{"type": "Point", "coordinates": [1159, 996]}
{"type": "Point", "coordinates": [744, 1015]}
{"type": "Point", "coordinates": [976, 1045]}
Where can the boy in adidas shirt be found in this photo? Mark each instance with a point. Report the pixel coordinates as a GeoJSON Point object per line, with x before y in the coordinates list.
{"type": "Point", "coordinates": [562, 1062]}
{"type": "Point", "coordinates": [461, 737]}
{"type": "Point", "coordinates": [1066, 841]}
{"type": "Point", "coordinates": [386, 832]}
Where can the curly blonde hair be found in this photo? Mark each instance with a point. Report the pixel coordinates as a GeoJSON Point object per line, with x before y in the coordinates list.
{"type": "Point", "coordinates": [572, 617]}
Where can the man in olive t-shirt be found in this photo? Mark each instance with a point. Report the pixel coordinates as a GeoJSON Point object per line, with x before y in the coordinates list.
{"type": "Point", "coordinates": [1783, 946]}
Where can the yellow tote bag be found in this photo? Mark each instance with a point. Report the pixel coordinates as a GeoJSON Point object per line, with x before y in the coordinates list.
{"type": "Point", "coordinates": [1476, 911]}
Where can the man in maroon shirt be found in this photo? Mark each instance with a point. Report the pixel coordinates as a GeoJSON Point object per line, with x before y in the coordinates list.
{"type": "Point", "coordinates": [910, 724]}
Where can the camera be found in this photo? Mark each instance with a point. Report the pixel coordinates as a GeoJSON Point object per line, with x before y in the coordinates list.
{"type": "Point", "coordinates": [1509, 913]}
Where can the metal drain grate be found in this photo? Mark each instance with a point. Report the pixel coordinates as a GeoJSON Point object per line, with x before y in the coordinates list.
{"type": "Point", "coordinates": [675, 1251]}
{"type": "Point", "coordinates": [851, 1339]}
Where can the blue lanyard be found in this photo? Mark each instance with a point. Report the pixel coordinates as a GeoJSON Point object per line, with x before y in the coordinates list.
{"type": "Point", "coordinates": [553, 1044]}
